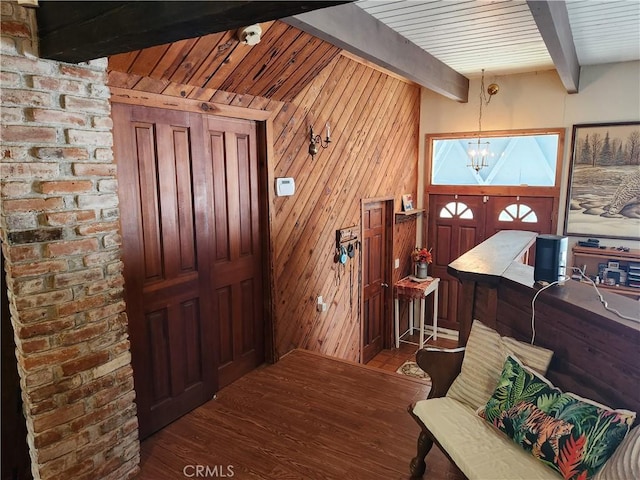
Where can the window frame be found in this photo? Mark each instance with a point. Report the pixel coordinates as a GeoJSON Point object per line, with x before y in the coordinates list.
{"type": "Point", "coordinates": [553, 191]}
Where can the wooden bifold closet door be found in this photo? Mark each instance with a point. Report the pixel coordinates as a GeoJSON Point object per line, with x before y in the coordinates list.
{"type": "Point", "coordinates": [193, 278]}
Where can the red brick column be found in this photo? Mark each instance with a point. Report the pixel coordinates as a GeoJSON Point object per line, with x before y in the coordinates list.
{"type": "Point", "coordinates": [59, 223]}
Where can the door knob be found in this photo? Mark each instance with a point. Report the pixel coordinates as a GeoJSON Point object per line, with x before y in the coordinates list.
{"type": "Point", "coordinates": [386, 285]}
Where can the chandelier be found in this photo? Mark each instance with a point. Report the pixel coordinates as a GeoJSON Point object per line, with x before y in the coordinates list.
{"type": "Point", "coordinates": [478, 150]}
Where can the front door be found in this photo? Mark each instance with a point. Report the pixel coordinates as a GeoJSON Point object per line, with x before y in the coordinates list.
{"type": "Point", "coordinates": [375, 279]}
{"type": "Point", "coordinates": [456, 225]}
{"type": "Point", "coordinates": [189, 214]}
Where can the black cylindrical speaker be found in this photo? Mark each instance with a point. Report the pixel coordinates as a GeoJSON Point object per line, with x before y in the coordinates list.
{"type": "Point", "coordinates": [551, 258]}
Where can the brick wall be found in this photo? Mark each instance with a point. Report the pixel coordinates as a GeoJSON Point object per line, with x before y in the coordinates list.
{"type": "Point", "coordinates": [59, 223]}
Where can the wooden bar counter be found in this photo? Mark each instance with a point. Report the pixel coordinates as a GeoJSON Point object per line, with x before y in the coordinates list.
{"type": "Point", "coordinates": [596, 352]}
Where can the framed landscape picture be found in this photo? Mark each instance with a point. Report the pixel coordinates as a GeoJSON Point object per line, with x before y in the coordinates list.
{"type": "Point", "coordinates": [604, 181]}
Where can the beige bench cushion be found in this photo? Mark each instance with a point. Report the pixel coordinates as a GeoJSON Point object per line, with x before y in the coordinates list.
{"type": "Point", "coordinates": [480, 451]}
{"type": "Point", "coordinates": [484, 357]}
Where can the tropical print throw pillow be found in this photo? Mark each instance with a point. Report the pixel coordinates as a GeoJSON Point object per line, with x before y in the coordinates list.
{"type": "Point", "coordinates": [570, 434]}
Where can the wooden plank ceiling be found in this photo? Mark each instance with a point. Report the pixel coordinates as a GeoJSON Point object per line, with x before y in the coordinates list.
{"type": "Point", "coordinates": [277, 68]}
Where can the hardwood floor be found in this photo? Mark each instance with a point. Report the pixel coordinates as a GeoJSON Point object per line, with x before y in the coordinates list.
{"type": "Point", "coordinates": [306, 417]}
{"type": "Point", "coordinates": [390, 360]}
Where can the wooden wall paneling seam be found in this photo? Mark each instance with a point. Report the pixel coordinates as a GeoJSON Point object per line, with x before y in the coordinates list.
{"type": "Point", "coordinates": [334, 172]}
{"type": "Point", "coordinates": [261, 79]}
{"type": "Point", "coordinates": [327, 231]}
{"type": "Point", "coordinates": [221, 96]}
{"type": "Point", "coordinates": [210, 95]}
{"type": "Point", "coordinates": [177, 90]}
{"type": "Point", "coordinates": [259, 58]}
{"type": "Point", "coordinates": [304, 116]}
{"type": "Point", "coordinates": [197, 55]}
{"type": "Point", "coordinates": [151, 85]}
{"type": "Point", "coordinates": [402, 251]}
{"type": "Point", "coordinates": [236, 65]}
{"type": "Point", "coordinates": [405, 119]}
{"type": "Point", "coordinates": [132, 97]}
{"type": "Point", "coordinates": [224, 48]}
{"type": "Point", "coordinates": [259, 103]}
{"type": "Point", "coordinates": [121, 79]}
{"type": "Point", "coordinates": [123, 61]}
{"type": "Point", "coordinates": [287, 120]}
{"type": "Point", "coordinates": [406, 149]}
{"type": "Point", "coordinates": [310, 181]}
{"type": "Point", "coordinates": [239, 54]}
{"type": "Point", "coordinates": [292, 86]}
{"type": "Point", "coordinates": [404, 180]}
{"type": "Point", "coordinates": [174, 57]}
{"type": "Point", "coordinates": [271, 77]}
{"type": "Point", "coordinates": [320, 170]}
{"type": "Point", "coordinates": [367, 63]}
{"type": "Point", "coordinates": [302, 233]}
{"type": "Point", "coordinates": [242, 100]}
{"type": "Point", "coordinates": [148, 59]}
{"type": "Point", "coordinates": [265, 156]}
{"type": "Point", "coordinates": [357, 195]}
{"type": "Point", "coordinates": [274, 106]}
{"type": "Point", "coordinates": [315, 55]}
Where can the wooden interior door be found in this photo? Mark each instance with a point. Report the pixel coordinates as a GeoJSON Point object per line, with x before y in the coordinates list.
{"type": "Point", "coordinates": [375, 279]}
{"type": "Point", "coordinates": [162, 188]}
{"type": "Point", "coordinates": [236, 275]}
{"type": "Point", "coordinates": [188, 191]}
{"type": "Point", "coordinates": [456, 225]}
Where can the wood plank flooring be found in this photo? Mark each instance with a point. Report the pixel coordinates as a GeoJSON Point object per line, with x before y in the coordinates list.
{"type": "Point", "coordinates": [306, 417]}
{"type": "Point", "coordinates": [391, 360]}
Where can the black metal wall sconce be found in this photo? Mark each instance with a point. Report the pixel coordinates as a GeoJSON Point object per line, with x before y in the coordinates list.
{"type": "Point", "coordinates": [315, 140]}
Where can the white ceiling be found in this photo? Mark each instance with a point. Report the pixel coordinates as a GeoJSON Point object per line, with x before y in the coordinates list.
{"type": "Point", "coordinates": [502, 37]}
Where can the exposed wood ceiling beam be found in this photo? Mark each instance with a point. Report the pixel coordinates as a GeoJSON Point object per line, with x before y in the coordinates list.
{"type": "Point", "coordinates": [352, 29]}
{"type": "Point", "coordinates": [80, 31]}
{"type": "Point", "coordinates": [552, 19]}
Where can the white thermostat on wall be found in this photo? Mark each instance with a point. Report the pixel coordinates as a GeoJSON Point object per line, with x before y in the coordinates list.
{"type": "Point", "coordinates": [285, 186]}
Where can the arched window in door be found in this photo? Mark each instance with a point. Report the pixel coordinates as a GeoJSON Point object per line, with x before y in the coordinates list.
{"type": "Point", "coordinates": [518, 212]}
{"type": "Point", "coordinates": [456, 209]}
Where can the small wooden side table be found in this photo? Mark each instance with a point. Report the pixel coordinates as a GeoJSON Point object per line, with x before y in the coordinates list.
{"type": "Point", "coordinates": [412, 289]}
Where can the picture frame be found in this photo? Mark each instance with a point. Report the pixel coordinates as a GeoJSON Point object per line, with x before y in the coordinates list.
{"type": "Point", "coordinates": [603, 181]}
{"type": "Point", "coordinates": [407, 202]}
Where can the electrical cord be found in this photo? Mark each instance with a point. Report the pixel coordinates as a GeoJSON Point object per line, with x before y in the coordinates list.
{"type": "Point", "coordinates": [533, 306]}
{"type": "Point", "coordinates": [600, 298]}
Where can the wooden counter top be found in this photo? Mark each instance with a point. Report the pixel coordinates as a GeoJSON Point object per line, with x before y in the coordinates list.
{"type": "Point", "coordinates": [491, 258]}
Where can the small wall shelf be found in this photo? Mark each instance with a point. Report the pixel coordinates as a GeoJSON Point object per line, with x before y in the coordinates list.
{"type": "Point", "coordinates": [406, 216]}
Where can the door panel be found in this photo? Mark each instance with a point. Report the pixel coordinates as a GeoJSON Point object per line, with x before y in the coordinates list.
{"type": "Point", "coordinates": [190, 217]}
{"type": "Point", "coordinates": [374, 275]}
{"type": "Point", "coordinates": [535, 214]}
{"type": "Point", "coordinates": [165, 251]}
{"type": "Point", "coordinates": [456, 224]}
{"type": "Point", "coordinates": [237, 269]}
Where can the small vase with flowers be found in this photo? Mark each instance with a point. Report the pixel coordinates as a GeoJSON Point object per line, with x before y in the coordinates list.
{"type": "Point", "coordinates": [422, 258]}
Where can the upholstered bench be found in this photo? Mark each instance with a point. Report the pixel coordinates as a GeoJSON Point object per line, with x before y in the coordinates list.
{"type": "Point", "coordinates": [479, 381]}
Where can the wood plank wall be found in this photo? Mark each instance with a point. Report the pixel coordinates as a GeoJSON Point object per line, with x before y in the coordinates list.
{"type": "Point", "coordinates": [374, 121]}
